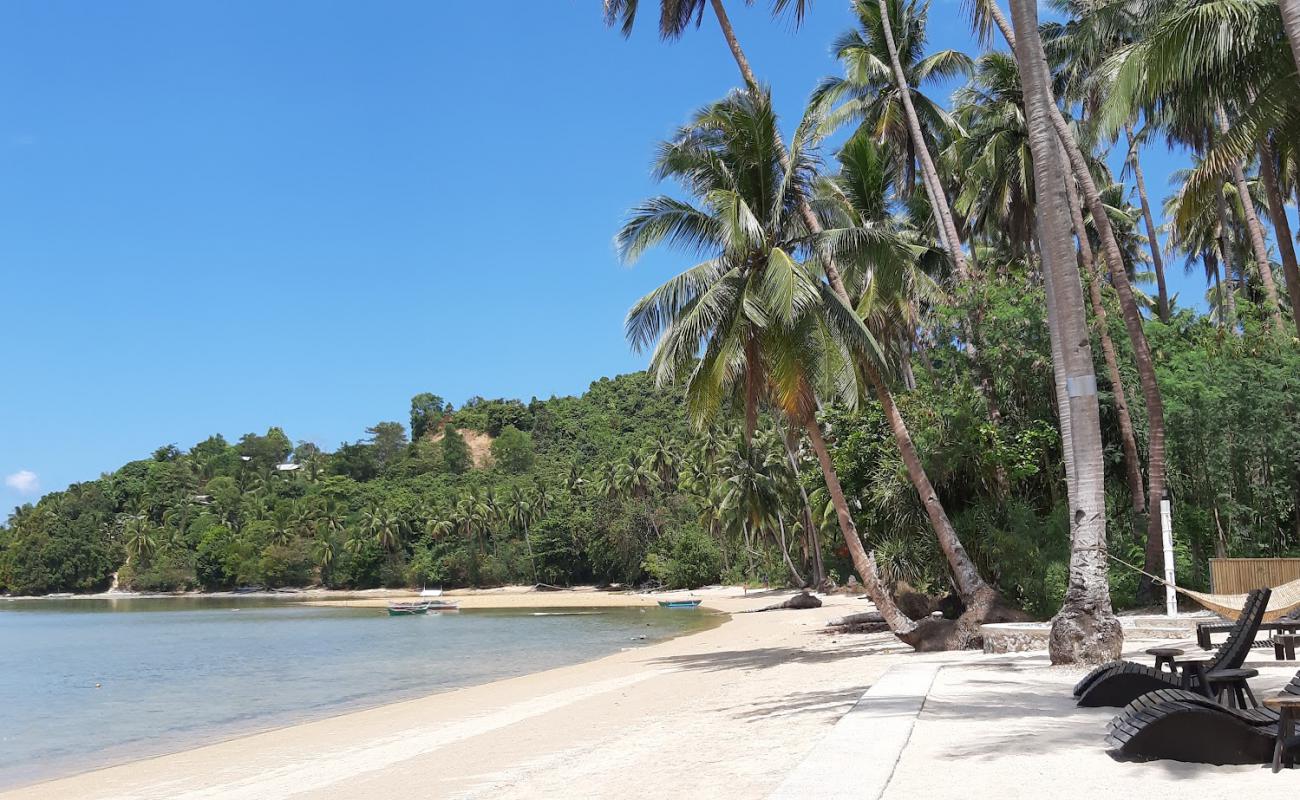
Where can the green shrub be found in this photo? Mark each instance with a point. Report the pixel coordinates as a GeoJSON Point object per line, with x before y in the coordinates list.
{"type": "Point", "coordinates": [685, 560]}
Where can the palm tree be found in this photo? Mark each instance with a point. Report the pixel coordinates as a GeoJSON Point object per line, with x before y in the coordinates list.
{"type": "Point", "coordinates": [765, 323]}
{"type": "Point", "coordinates": [636, 476]}
{"type": "Point", "coordinates": [982, 599]}
{"type": "Point", "coordinates": [675, 16]}
{"type": "Point", "coordinates": [1112, 254]}
{"type": "Point", "coordinates": [1210, 59]}
{"type": "Point", "coordinates": [875, 59]}
{"type": "Point", "coordinates": [282, 523]}
{"type": "Point", "coordinates": [520, 509]}
{"type": "Point", "coordinates": [575, 480]}
{"type": "Point", "coordinates": [323, 549]}
{"type": "Point", "coordinates": [436, 527]}
{"type": "Point", "coordinates": [998, 185]}
{"type": "Point", "coordinates": [661, 457]}
{"type": "Point", "coordinates": [141, 537]}
{"type": "Point", "coordinates": [384, 527]}
{"type": "Point", "coordinates": [1085, 629]}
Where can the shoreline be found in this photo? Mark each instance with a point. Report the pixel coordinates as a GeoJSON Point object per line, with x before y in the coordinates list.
{"type": "Point", "coordinates": [512, 596]}
{"type": "Point", "coordinates": [482, 723]}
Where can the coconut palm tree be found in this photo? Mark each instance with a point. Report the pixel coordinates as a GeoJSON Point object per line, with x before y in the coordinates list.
{"type": "Point", "coordinates": [140, 536]}
{"type": "Point", "coordinates": [1085, 629]}
{"type": "Point", "coordinates": [384, 527]}
{"type": "Point", "coordinates": [676, 16]}
{"type": "Point", "coordinates": [1216, 60]}
{"type": "Point", "coordinates": [770, 331]}
{"type": "Point", "coordinates": [986, 15]}
{"type": "Point", "coordinates": [983, 601]}
{"type": "Point", "coordinates": [885, 68]}
{"type": "Point", "coordinates": [520, 510]}
{"type": "Point", "coordinates": [323, 550]}
{"type": "Point", "coordinates": [998, 183]}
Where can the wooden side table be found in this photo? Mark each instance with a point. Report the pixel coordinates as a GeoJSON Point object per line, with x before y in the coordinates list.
{"type": "Point", "coordinates": [1192, 670]}
{"type": "Point", "coordinates": [1284, 645]}
{"type": "Point", "coordinates": [1165, 657]}
{"type": "Point", "coordinates": [1288, 709]}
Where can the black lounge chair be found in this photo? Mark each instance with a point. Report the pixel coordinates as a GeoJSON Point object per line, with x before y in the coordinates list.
{"type": "Point", "coordinates": [1121, 682]}
{"type": "Point", "coordinates": [1188, 726]}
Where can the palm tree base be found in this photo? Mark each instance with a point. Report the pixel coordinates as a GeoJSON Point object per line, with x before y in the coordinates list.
{"type": "Point", "coordinates": [1085, 636]}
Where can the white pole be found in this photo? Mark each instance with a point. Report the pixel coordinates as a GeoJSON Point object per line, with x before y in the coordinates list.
{"type": "Point", "coordinates": [1166, 528]}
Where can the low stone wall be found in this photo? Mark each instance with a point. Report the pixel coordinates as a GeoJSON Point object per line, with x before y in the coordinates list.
{"type": "Point", "coordinates": [1015, 637]}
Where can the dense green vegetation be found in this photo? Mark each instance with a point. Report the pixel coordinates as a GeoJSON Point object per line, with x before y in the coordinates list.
{"type": "Point", "coordinates": [615, 486]}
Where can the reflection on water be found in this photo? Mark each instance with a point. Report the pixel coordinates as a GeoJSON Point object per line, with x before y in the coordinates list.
{"type": "Point", "coordinates": [85, 683]}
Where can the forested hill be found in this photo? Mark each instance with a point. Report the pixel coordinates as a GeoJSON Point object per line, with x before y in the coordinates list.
{"type": "Point", "coordinates": [615, 486]}
{"type": "Point", "coordinates": [266, 511]}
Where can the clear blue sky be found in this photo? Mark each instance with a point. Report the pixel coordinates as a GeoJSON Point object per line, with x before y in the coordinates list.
{"type": "Point", "coordinates": [221, 216]}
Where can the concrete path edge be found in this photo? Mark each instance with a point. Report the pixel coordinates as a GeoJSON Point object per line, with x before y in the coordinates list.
{"type": "Point", "coordinates": [856, 758]}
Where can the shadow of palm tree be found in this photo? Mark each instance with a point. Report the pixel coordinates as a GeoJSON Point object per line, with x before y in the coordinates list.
{"type": "Point", "coordinates": [835, 701]}
{"type": "Point", "coordinates": [766, 657]}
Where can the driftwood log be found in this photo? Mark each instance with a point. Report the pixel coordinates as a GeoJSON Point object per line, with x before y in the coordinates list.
{"type": "Point", "coordinates": [799, 601]}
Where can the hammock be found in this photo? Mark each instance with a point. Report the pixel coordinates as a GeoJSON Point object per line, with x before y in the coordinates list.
{"type": "Point", "coordinates": [1285, 599]}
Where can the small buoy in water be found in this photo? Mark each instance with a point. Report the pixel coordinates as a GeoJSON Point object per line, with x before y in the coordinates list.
{"type": "Point", "coordinates": [97, 685]}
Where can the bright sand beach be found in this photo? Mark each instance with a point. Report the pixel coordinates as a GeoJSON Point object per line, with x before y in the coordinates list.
{"type": "Point", "coordinates": [750, 708]}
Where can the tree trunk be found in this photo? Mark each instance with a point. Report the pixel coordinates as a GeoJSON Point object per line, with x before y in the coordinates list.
{"type": "Point", "coordinates": [1153, 240]}
{"type": "Point", "coordinates": [1225, 255]}
{"type": "Point", "coordinates": [1127, 302]}
{"type": "Point", "coordinates": [1085, 630]}
{"type": "Point", "coordinates": [933, 185]}
{"type": "Point", "coordinates": [529, 543]}
{"type": "Point", "coordinates": [1256, 231]}
{"type": "Point", "coordinates": [1128, 441]}
{"type": "Point", "coordinates": [864, 564]}
{"type": "Point", "coordinates": [1291, 22]}
{"type": "Point", "coordinates": [973, 589]}
{"type": "Point", "coordinates": [1281, 225]}
{"type": "Point", "coordinates": [814, 545]}
{"type": "Point", "coordinates": [785, 554]}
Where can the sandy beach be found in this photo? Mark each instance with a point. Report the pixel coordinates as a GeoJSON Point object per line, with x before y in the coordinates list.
{"type": "Point", "coordinates": [726, 712]}
{"type": "Point", "coordinates": [764, 705]}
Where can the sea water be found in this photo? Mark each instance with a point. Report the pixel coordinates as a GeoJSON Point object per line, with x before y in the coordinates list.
{"type": "Point", "coordinates": [88, 683]}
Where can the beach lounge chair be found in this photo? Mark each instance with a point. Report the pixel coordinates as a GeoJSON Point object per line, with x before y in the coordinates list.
{"type": "Point", "coordinates": [1188, 726]}
{"type": "Point", "coordinates": [1121, 682]}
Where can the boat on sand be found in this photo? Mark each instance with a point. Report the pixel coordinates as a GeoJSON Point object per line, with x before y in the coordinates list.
{"type": "Point", "coordinates": [679, 603]}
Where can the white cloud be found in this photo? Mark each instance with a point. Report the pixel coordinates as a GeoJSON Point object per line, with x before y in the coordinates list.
{"type": "Point", "coordinates": [24, 481]}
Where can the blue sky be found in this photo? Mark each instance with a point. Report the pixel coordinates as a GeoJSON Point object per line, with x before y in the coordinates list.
{"type": "Point", "coordinates": [221, 216]}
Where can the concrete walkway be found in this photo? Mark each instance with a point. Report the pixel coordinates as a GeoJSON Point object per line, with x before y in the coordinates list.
{"type": "Point", "coordinates": [871, 737]}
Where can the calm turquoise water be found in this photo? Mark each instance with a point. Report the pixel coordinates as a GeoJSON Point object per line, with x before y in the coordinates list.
{"type": "Point", "coordinates": [175, 673]}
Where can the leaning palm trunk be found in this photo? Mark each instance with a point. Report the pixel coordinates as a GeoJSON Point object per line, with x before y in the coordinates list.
{"type": "Point", "coordinates": [1128, 441]}
{"type": "Point", "coordinates": [810, 530]}
{"type": "Point", "coordinates": [1291, 21]}
{"type": "Point", "coordinates": [785, 553]}
{"type": "Point", "coordinates": [863, 563]}
{"type": "Point", "coordinates": [1085, 629]}
{"type": "Point", "coordinates": [1225, 256]}
{"type": "Point", "coordinates": [1128, 306]}
{"type": "Point", "coordinates": [930, 176]}
{"type": "Point", "coordinates": [1153, 243]}
{"type": "Point", "coordinates": [1281, 226]}
{"type": "Point", "coordinates": [1254, 229]}
{"type": "Point", "coordinates": [983, 601]}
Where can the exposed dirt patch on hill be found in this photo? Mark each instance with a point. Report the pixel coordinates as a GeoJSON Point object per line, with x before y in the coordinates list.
{"type": "Point", "coordinates": [480, 446]}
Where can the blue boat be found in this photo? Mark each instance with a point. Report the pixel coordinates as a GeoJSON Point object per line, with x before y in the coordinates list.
{"type": "Point", "coordinates": [679, 603]}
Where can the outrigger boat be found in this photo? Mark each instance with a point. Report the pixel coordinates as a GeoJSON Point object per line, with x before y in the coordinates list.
{"type": "Point", "coordinates": [407, 609]}
{"type": "Point", "coordinates": [679, 603]}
